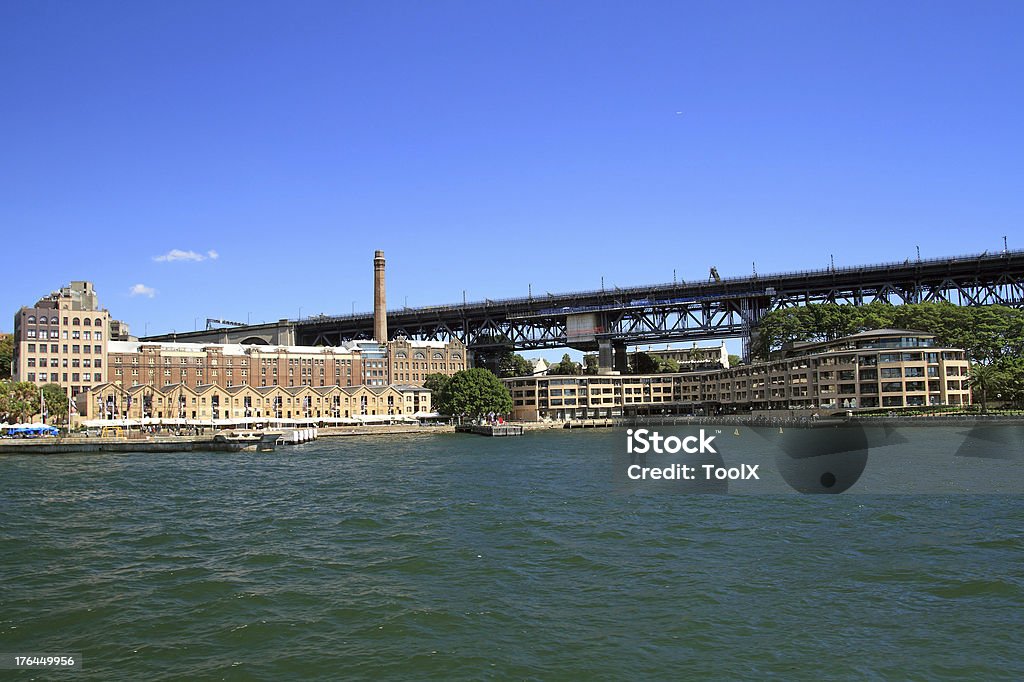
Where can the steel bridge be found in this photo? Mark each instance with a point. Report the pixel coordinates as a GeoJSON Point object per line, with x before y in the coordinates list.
{"type": "Point", "coordinates": [607, 318]}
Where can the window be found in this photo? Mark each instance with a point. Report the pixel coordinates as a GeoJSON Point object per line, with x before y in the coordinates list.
{"type": "Point", "coordinates": [88, 323]}
{"type": "Point", "coordinates": [99, 323]}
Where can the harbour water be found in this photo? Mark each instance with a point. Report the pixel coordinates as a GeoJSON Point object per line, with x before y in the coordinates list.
{"type": "Point", "coordinates": [460, 557]}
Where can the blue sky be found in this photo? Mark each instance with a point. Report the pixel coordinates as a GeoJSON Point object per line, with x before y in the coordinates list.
{"type": "Point", "coordinates": [489, 146]}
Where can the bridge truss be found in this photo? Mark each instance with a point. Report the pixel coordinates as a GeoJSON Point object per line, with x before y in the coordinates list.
{"type": "Point", "coordinates": [729, 308]}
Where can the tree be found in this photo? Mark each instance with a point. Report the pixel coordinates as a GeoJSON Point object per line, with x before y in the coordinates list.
{"type": "Point", "coordinates": [735, 360]}
{"type": "Point", "coordinates": [590, 364]}
{"type": "Point", "coordinates": [642, 363]}
{"type": "Point", "coordinates": [56, 403]}
{"type": "Point", "coordinates": [6, 355]}
{"type": "Point", "coordinates": [18, 400]}
{"type": "Point", "coordinates": [474, 393]}
{"type": "Point", "coordinates": [514, 365]}
{"type": "Point", "coordinates": [566, 366]}
{"type": "Point", "coordinates": [435, 383]}
{"type": "Point", "coordinates": [668, 365]}
{"type": "Point", "coordinates": [983, 381]}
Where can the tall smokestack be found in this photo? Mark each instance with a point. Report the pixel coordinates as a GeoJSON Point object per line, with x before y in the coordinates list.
{"type": "Point", "coordinates": [380, 313]}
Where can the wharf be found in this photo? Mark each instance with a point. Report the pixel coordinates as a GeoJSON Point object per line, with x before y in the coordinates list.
{"type": "Point", "coordinates": [78, 444]}
{"type": "Point", "coordinates": [963, 420]}
{"type": "Point", "coordinates": [494, 431]}
{"type": "Point", "coordinates": [792, 422]}
{"type": "Point", "coordinates": [383, 430]}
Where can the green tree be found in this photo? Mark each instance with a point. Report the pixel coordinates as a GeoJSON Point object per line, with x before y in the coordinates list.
{"type": "Point", "coordinates": [735, 360]}
{"type": "Point", "coordinates": [474, 393]}
{"type": "Point", "coordinates": [514, 365]}
{"type": "Point", "coordinates": [56, 400]}
{"type": "Point", "coordinates": [642, 363]}
{"type": "Point", "coordinates": [984, 380]}
{"type": "Point", "coordinates": [668, 365]}
{"type": "Point", "coordinates": [435, 383]}
{"type": "Point", "coordinates": [591, 365]}
{"type": "Point", "coordinates": [6, 355]}
{"type": "Point", "coordinates": [1011, 386]}
{"type": "Point", "coordinates": [566, 366]}
{"type": "Point", "coordinates": [18, 401]}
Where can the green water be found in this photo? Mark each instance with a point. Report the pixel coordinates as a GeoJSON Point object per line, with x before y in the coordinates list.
{"type": "Point", "coordinates": [461, 557]}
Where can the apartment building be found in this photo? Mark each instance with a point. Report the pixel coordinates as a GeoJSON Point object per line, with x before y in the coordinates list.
{"type": "Point", "coordinates": [62, 339]}
{"type": "Point", "coordinates": [886, 368]}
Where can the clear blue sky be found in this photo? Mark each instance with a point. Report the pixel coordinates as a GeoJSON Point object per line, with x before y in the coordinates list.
{"type": "Point", "coordinates": [489, 145]}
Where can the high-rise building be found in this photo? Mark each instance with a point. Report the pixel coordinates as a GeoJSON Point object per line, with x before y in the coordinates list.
{"type": "Point", "coordinates": [62, 339]}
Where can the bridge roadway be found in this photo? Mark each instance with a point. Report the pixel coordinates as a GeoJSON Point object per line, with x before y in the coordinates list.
{"type": "Point", "coordinates": [658, 313]}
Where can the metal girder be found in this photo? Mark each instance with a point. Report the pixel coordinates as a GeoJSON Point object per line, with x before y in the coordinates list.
{"type": "Point", "coordinates": [682, 312]}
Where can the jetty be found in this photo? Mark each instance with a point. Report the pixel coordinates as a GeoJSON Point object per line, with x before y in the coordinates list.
{"type": "Point", "coordinates": [222, 442]}
{"type": "Point", "coordinates": [493, 430]}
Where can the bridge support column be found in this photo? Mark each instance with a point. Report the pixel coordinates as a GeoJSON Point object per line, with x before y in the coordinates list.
{"type": "Point", "coordinates": [621, 362]}
{"type": "Point", "coordinates": [604, 357]}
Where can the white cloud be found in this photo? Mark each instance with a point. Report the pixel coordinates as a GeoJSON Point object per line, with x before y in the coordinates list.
{"type": "Point", "coordinates": [142, 290]}
{"type": "Point", "coordinates": [178, 254]}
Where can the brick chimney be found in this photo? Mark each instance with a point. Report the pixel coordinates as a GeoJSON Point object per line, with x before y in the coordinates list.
{"type": "Point", "coordinates": [380, 313]}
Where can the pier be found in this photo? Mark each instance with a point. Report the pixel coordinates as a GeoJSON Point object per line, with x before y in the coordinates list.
{"type": "Point", "coordinates": [263, 442]}
{"type": "Point", "coordinates": [495, 431]}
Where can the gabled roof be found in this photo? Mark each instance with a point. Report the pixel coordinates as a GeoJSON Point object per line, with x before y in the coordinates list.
{"type": "Point", "coordinates": [410, 388]}
{"type": "Point", "coordinates": [174, 386]}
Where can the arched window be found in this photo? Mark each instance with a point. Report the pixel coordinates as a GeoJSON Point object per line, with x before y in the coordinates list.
{"type": "Point", "coordinates": [88, 322]}
{"type": "Point", "coordinates": [98, 322]}
{"type": "Point", "coordinates": [456, 356]}
{"type": "Point", "coordinates": [438, 356]}
{"type": "Point", "coordinates": [419, 356]}
{"type": "Point", "coordinates": [401, 356]}
{"type": "Point", "coordinates": [75, 321]}
{"type": "Point", "coordinates": [31, 319]}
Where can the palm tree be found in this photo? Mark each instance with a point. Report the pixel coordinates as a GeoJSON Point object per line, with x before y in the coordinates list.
{"type": "Point", "coordinates": [983, 379]}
